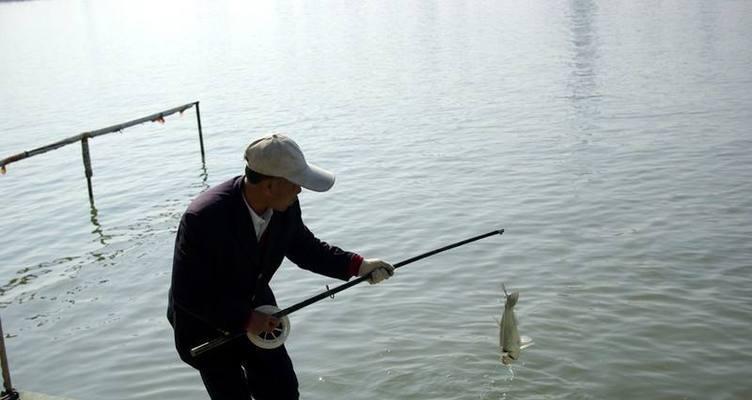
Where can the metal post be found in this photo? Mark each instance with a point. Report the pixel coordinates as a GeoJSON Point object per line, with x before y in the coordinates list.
{"type": "Point", "coordinates": [87, 166]}
{"type": "Point", "coordinates": [200, 133]}
{"type": "Point", "coordinates": [9, 392]}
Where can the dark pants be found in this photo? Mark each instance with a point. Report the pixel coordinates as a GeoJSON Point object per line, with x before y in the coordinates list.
{"type": "Point", "coordinates": [238, 369]}
{"type": "Point", "coordinates": [263, 374]}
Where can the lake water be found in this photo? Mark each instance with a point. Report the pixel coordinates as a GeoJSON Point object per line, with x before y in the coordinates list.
{"type": "Point", "coordinates": [610, 139]}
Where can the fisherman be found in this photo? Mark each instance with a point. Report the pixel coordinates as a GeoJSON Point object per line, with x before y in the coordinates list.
{"type": "Point", "coordinates": [231, 240]}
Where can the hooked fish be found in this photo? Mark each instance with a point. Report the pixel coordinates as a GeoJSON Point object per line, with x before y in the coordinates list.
{"type": "Point", "coordinates": [509, 338]}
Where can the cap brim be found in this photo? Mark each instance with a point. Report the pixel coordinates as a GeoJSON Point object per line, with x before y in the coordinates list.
{"type": "Point", "coordinates": [314, 178]}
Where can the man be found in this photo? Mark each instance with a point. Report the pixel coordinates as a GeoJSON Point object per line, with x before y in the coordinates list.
{"type": "Point", "coordinates": [231, 240]}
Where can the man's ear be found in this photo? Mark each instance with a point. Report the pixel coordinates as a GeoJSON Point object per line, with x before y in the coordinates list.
{"type": "Point", "coordinates": [265, 187]}
{"type": "Point", "coordinates": [269, 186]}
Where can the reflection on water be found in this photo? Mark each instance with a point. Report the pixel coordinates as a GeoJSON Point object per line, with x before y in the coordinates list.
{"type": "Point", "coordinates": [98, 230]}
{"type": "Point", "coordinates": [26, 276]}
{"type": "Point", "coordinates": [583, 82]}
{"type": "Point", "coordinates": [204, 175]}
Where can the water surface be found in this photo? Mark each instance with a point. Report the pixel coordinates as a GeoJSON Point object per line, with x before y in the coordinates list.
{"type": "Point", "coordinates": [610, 140]}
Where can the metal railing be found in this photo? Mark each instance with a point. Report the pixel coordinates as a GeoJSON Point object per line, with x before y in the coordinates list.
{"type": "Point", "coordinates": [9, 393]}
{"type": "Point", "coordinates": [84, 139]}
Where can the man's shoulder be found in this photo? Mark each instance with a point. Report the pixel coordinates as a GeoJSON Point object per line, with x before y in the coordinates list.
{"type": "Point", "coordinates": [217, 199]}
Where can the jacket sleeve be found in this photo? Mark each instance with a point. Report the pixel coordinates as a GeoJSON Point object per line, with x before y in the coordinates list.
{"type": "Point", "coordinates": [308, 252]}
{"type": "Point", "coordinates": [201, 285]}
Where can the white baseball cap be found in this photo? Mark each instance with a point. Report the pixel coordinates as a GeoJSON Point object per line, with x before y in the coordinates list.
{"type": "Point", "coordinates": [278, 155]}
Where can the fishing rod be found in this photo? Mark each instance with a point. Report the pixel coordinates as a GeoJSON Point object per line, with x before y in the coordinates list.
{"type": "Point", "coordinates": [274, 339]}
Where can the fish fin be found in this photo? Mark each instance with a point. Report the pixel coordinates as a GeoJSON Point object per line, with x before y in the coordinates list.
{"type": "Point", "coordinates": [506, 359]}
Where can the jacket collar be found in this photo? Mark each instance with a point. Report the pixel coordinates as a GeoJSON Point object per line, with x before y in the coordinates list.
{"type": "Point", "coordinates": [244, 231]}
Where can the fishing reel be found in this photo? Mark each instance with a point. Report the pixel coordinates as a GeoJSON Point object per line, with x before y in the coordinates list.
{"type": "Point", "coordinates": [277, 336]}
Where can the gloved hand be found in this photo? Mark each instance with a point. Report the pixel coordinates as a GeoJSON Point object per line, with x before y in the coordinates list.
{"type": "Point", "coordinates": [381, 270]}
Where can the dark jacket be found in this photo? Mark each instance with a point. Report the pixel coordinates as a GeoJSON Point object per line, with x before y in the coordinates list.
{"type": "Point", "coordinates": [220, 273]}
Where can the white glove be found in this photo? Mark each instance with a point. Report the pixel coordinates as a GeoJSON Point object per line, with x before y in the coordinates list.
{"type": "Point", "coordinates": [378, 269]}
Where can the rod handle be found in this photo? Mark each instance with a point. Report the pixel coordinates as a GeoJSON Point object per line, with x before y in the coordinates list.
{"type": "Point", "coordinates": [212, 344]}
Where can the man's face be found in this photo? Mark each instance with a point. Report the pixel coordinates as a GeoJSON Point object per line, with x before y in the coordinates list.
{"type": "Point", "coordinates": [282, 194]}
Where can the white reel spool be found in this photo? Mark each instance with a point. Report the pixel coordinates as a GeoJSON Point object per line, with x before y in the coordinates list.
{"type": "Point", "coordinates": [275, 338]}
